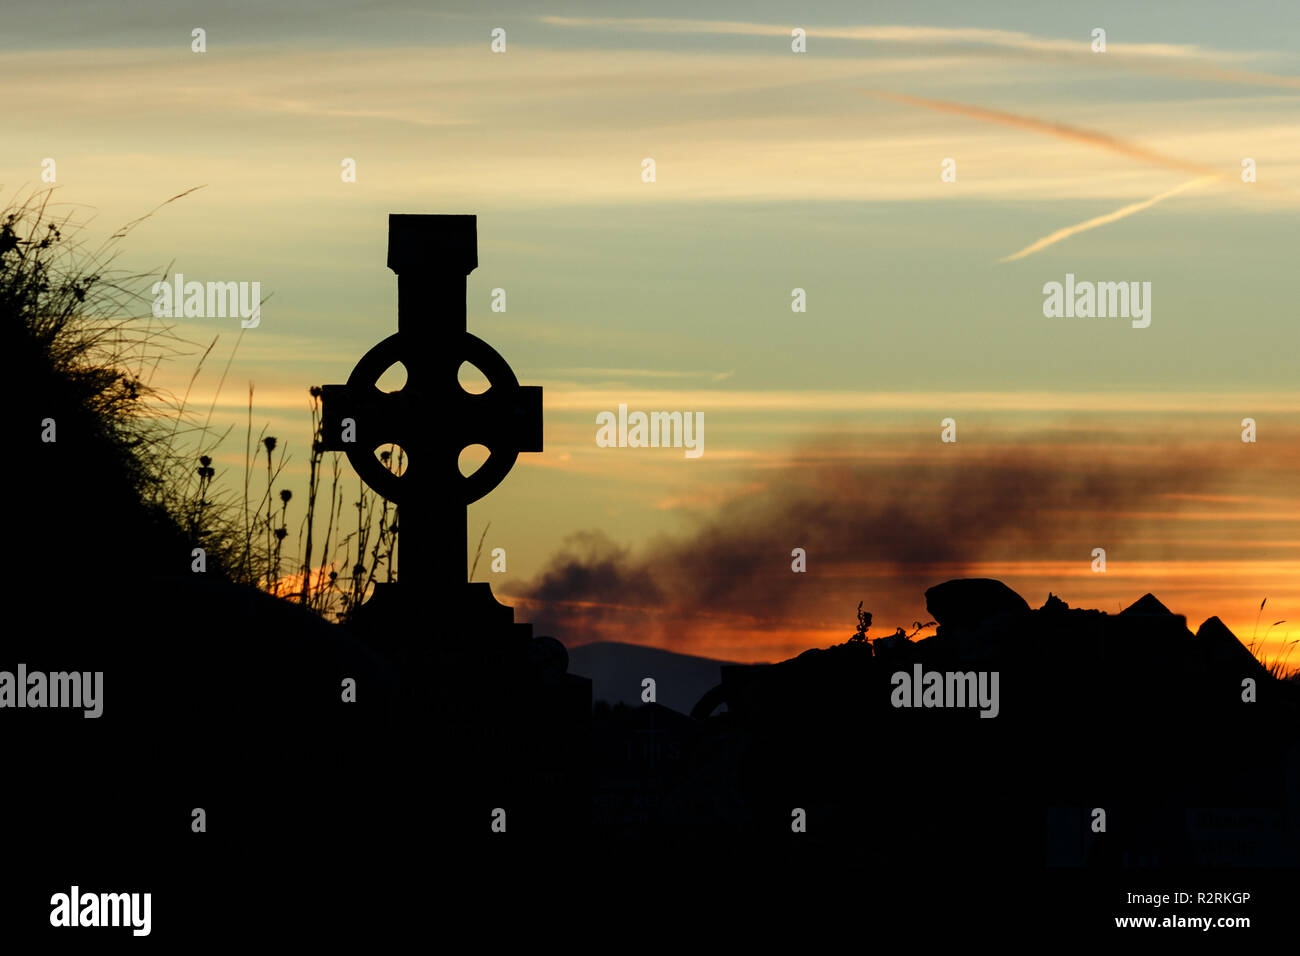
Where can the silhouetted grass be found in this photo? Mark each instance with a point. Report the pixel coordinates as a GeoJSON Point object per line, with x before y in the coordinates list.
{"type": "Point", "coordinates": [1278, 667]}
{"type": "Point", "coordinates": [81, 355]}
{"type": "Point", "coordinates": [82, 334]}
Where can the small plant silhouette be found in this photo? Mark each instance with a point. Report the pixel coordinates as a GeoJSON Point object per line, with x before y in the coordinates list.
{"type": "Point", "coordinates": [864, 622]}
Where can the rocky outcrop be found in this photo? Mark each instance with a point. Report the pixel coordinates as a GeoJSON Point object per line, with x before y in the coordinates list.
{"type": "Point", "coordinates": [966, 603]}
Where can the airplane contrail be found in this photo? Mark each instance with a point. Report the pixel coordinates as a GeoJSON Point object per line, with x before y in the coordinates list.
{"type": "Point", "coordinates": [1128, 210]}
{"type": "Point", "coordinates": [1060, 130]}
{"type": "Point", "coordinates": [1101, 140]}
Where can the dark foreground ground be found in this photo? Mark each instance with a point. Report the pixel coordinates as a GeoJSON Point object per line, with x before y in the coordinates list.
{"type": "Point", "coordinates": [329, 820]}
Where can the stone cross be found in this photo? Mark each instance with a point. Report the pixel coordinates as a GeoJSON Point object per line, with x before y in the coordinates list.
{"type": "Point", "coordinates": [432, 418]}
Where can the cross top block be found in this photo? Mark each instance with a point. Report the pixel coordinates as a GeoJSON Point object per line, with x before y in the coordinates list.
{"type": "Point", "coordinates": [432, 243]}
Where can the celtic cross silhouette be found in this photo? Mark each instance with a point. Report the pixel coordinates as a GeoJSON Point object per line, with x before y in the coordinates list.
{"type": "Point", "coordinates": [432, 418]}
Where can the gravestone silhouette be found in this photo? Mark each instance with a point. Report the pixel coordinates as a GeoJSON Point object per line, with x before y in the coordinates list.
{"type": "Point", "coordinates": [432, 418]}
{"type": "Point", "coordinates": [477, 688]}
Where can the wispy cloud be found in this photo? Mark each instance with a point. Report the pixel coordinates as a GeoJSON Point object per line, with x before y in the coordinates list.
{"type": "Point", "coordinates": [1182, 60]}
{"type": "Point", "coordinates": [574, 398]}
{"type": "Point", "coordinates": [717, 126]}
{"type": "Point", "coordinates": [895, 33]}
{"type": "Point", "coordinates": [629, 373]}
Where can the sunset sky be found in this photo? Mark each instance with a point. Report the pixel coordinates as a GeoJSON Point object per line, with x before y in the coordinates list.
{"type": "Point", "coordinates": [774, 171]}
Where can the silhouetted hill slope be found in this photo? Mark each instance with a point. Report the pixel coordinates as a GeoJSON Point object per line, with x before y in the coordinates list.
{"type": "Point", "coordinates": [617, 669]}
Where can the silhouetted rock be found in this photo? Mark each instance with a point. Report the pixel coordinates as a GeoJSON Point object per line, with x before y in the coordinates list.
{"type": "Point", "coordinates": [822, 731]}
{"type": "Point", "coordinates": [891, 646]}
{"type": "Point", "coordinates": [1146, 604]}
{"type": "Point", "coordinates": [1222, 652]}
{"type": "Point", "coordinates": [1053, 604]}
{"type": "Point", "coordinates": [969, 602]}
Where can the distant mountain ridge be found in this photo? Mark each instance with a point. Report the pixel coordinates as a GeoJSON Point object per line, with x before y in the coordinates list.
{"type": "Point", "coordinates": [616, 670]}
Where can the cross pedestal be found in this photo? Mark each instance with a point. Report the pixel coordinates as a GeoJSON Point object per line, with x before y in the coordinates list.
{"type": "Point", "coordinates": [480, 701]}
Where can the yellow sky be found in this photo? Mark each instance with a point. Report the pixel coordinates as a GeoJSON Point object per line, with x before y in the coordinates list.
{"type": "Point", "coordinates": [773, 170]}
